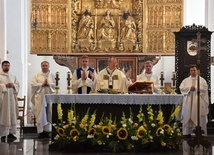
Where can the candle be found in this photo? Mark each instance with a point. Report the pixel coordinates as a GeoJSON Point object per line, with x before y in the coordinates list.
{"type": "Point", "coordinates": [68, 79]}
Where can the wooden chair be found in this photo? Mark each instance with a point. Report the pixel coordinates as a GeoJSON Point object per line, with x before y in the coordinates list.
{"type": "Point", "coordinates": [21, 107]}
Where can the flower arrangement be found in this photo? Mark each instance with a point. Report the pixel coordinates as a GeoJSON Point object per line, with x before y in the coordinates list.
{"type": "Point", "coordinates": [129, 133]}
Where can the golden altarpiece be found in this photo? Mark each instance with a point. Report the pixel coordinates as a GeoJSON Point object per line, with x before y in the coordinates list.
{"type": "Point", "coordinates": [132, 30]}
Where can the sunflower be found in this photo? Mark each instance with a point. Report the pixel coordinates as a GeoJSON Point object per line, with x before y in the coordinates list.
{"type": "Point", "coordinates": [91, 131]}
{"type": "Point", "coordinates": [141, 132]}
{"type": "Point", "coordinates": [122, 134]}
{"type": "Point", "coordinates": [74, 132]}
{"type": "Point", "coordinates": [158, 131]}
{"type": "Point", "coordinates": [61, 132]}
{"type": "Point", "coordinates": [106, 130]}
{"type": "Point", "coordinates": [167, 128]}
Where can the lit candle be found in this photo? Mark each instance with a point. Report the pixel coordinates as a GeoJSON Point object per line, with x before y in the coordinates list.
{"type": "Point", "coordinates": [68, 79]}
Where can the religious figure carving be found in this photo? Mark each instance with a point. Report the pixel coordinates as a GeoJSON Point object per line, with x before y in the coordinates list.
{"type": "Point", "coordinates": [86, 26]}
{"type": "Point", "coordinates": [111, 4]}
{"type": "Point", "coordinates": [107, 27]}
{"type": "Point", "coordinates": [128, 28]}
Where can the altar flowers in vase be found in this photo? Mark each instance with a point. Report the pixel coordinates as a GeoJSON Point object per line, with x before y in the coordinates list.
{"type": "Point", "coordinates": [129, 133]}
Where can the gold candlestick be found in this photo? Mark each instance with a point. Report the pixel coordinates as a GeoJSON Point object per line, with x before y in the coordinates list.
{"type": "Point", "coordinates": [173, 90]}
{"type": "Point", "coordinates": [162, 89]}
{"type": "Point", "coordinates": [57, 90]}
{"type": "Point", "coordinates": [69, 90]}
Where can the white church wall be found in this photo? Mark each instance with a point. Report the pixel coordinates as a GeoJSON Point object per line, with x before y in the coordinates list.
{"type": "Point", "coordinates": [2, 30]}
{"type": "Point", "coordinates": [194, 12]}
{"type": "Point", "coordinates": [15, 42]}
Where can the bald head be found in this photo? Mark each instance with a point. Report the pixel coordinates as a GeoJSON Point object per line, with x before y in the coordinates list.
{"type": "Point", "coordinates": [112, 63]}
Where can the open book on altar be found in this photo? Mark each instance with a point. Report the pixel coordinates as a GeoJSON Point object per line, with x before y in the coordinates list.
{"type": "Point", "coordinates": [141, 88]}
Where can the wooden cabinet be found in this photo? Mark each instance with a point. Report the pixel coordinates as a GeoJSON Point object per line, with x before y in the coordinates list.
{"type": "Point", "coordinates": [184, 57]}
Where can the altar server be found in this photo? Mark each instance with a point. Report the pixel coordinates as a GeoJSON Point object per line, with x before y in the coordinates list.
{"type": "Point", "coordinates": [149, 76]}
{"type": "Point", "coordinates": [41, 84]}
{"type": "Point", "coordinates": [188, 88]}
{"type": "Point", "coordinates": [83, 79]}
{"type": "Point", "coordinates": [9, 87]}
{"type": "Point", "coordinates": [113, 78]}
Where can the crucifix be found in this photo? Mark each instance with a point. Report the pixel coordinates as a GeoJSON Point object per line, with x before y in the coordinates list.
{"type": "Point", "coordinates": [173, 79]}
{"type": "Point", "coordinates": [198, 139]}
{"type": "Point", "coordinates": [69, 82]}
{"type": "Point", "coordinates": [57, 82]}
{"type": "Point", "coordinates": [161, 80]}
{"type": "Point", "coordinates": [173, 83]}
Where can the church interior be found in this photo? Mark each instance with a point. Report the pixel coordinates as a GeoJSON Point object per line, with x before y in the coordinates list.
{"type": "Point", "coordinates": [172, 34]}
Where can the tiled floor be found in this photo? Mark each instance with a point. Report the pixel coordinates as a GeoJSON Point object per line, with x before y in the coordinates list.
{"type": "Point", "coordinates": [29, 144]}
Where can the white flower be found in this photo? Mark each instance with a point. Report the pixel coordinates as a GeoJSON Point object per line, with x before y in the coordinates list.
{"type": "Point", "coordinates": [134, 137]}
{"type": "Point", "coordinates": [150, 137]}
{"type": "Point", "coordinates": [178, 130]}
{"type": "Point", "coordinates": [162, 132]}
{"type": "Point", "coordinates": [90, 136]}
{"type": "Point", "coordinates": [124, 125]}
{"type": "Point", "coordinates": [130, 121]}
{"type": "Point", "coordinates": [107, 136]}
{"type": "Point", "coordinates": [153, 125]}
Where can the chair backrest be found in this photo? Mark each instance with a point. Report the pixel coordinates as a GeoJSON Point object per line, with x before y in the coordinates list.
{"type": "Point", "coordinates": [21, 105]}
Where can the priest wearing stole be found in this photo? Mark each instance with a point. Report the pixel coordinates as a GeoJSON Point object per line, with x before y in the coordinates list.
{"type": "Point", "coordinates": [149, 76]}
{"type": "Point", "coordinates": [113, 78]}
{"type": "Point", "coordinates": [188, 88]}
{"type": "Point", "coordinates": [41, 84]}
{"type": "Point", "coordinates": [83, 79]}
{"type": "Point", "coordinates": [9, 88]}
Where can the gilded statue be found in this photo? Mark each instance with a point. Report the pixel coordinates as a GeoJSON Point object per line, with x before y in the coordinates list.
{"type": "Point", "coordinates": [128, 27]}
{"type": "Point", "coordinates": [86, 26]}
{"type": "Point", "coordinates": [107, 27]}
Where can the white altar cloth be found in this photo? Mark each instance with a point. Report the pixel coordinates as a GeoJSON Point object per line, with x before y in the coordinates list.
{"type": "Point", "coordinates": [128, 99]}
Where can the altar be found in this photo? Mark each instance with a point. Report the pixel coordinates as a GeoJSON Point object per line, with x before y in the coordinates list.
{"type": "Point", "coordinates": [107, 104]}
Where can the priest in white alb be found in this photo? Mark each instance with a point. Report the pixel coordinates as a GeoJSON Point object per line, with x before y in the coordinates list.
{"type": "Point", "coordinates": [188, 88]}
{"type": "Point", "coordinates": [113, 78]}
{"type": "Point", "coordinates": [41, 84]}
{"type": "Point", "coordinates": [83, 79]}
{"type": "Point", "coordinates": [9, 88]}
{"type": "Point", "coordinates": [149, 76]}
